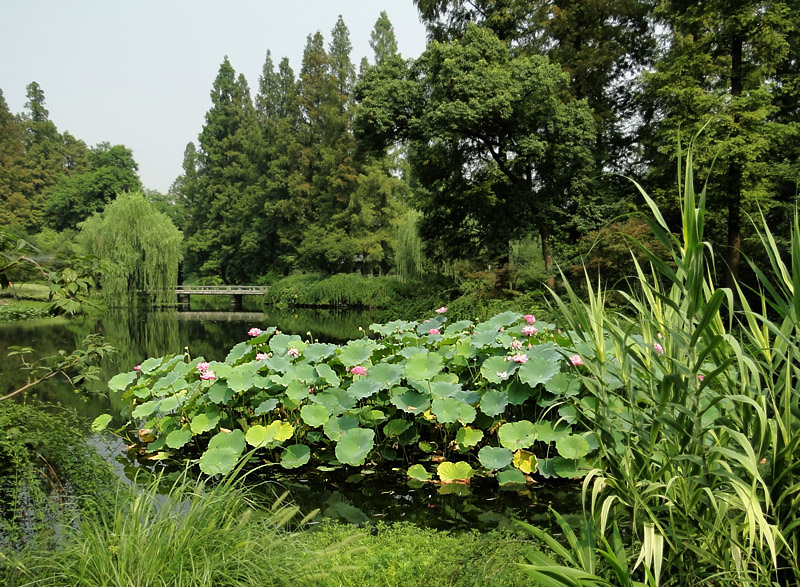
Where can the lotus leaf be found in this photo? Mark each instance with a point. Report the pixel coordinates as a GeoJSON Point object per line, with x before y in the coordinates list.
{"type": "Point", "coordinates": [468, 437]}
{"type": "Point", "coordinates": [101, 422]}
{"type": "Point", "coordinates": [424, 366]}
{"type": "Point", "coordinates": [363, 388]}
{"type": "Point", "coordinates": [569, 469]}
{"type": "Point", "coordinates": [121, 381]}
{"type": "Point", "coordinates": [411, 401]}
{"type": "Point", "coordinates": [205, 421]}
{"type": "Point", "coordinates": [493, 403]}
{"type": "Point", "coordinates": [297, 391]}
{"type": "Point", "coordinates": [495, 457]}
{"type": "Point", "coordinates": [357, 352]}
{"type": "Point", "coordinates": [395, 427]}
{"type": "Point", "coordinates": [146, 409]}
{"type": "Point", "coordinates": [525, 461]}
{"type": "Point", "coordinates": [483, 337]}
{"type": "Point", "coordinates": [318, 351]}
{"type": "Point", "coordinates": [280, 343]}
{"type": "Point", "coordinates": [517, 392]}
{"type": "Point", "coordinates": [219, 461]}
{"type": "Point", "coordinates": [178, 438]}
{"type": "Point", "coordinates": [295, 455]}
{"type": "Point", "coordinates": [276, 432]}
{"type": "Point", "coordinates": [517, 435]}
{"type": "Point", "coordinates": [546, 432]}
{"type": "Point", "coordinates": [538, 370]}
{"type": "Point", "coordinates": [371, 417]}
{"type": "Point", "coordinates": [387, 374]}
{"type": "Point", "coordinates": [568, 413]}
{"type": "Point", "coordinates": [314, 414]}
{"type": "Point", "coordinates": [564, 385]}
{"type": "Point", "coordinates": [237, 352]}
{"type": "Point", "coordinates": [572, 447]}
{"type": "Point", "coordinates": [354, 445]}
{"type": "Point", "coordinates": [328, 374]}
{"type": "Point", "coordinates": [511, 477]}
{"type": "Point", "coordinates": [418, 472]}
{"type": "Point", "coordinates": [449, 409]}
{"type": "Point", "coordinates": [266, 406]}
{"type": "Point", "coordinates": [233, 439]}
{"type": "Point", "coordinates": [168, 404]}
{"type": "Point", "coordinates": [219, 393]}
{"type": "Point", "coordinates": [449, 472]}
{"type": "Point", "coordinates": [278, 363]}
{"type": "Point", "coordinates": [457, 326]}
{"type": "Point", "coordinates": [241, 379]}
{"type": "Point", "coordinates": [410, 351]}
{"type": "Point", "coordinates": [335, 427]}
{"type": "Point", "coordinates": [445, 388]}
{"type": "Point", "coordinates": [150, 365]}
{"type": "Point", "coordinates": [497, 369]}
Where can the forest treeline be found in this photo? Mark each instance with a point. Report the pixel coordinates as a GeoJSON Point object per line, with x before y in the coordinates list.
{"type": "Point", "coordinates": [504, 145]}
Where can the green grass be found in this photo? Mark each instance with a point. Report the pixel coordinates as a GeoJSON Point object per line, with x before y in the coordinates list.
{"type": "Point", "coordinates": [26, 291]}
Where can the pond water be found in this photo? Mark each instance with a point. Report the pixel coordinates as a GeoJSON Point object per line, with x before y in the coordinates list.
{"type": "Point", "coordinates": [362, 498]}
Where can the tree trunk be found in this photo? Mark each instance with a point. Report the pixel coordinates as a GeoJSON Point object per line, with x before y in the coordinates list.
{"type": "Point", "coordinates": [547, 255]}
{"type": "Point", "coordinates": [735, 173]}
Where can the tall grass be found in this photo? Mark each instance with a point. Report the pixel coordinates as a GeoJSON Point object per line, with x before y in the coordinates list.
{"type": "Point", "coordinates": [192, 535]}
{"type": "Point", "coordinates": [697, 427]}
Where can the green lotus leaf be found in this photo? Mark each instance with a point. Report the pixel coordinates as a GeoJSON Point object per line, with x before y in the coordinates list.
{"type": "Point", "coordinates": [517, 435]}
{"type": "Point", "coordinates": [572, 447]}
{"type": "Point", "coordinates": [146, 409]}
{"type": "Point", "coordinates": [424, 366]}
{"type": "Point", "coordinates": [493, 403]}
{"type": "Point", "coordinates": [418, 472]}
{"type": "Point", "coordinates": [274, 433]}
{"type": "Point", "coordinates": [219, 393]}
{"type": "Point", "coordinates": [371, 417]}
{"type": "Point", "coordinates": [178, 438]}
{"type": "Point", "coordinates": [546, 432]}
{"type": "Point", "coordinates": [458, 326]}
{"type": "Point", "coordinates": [495, 457]}
{"type": "Point", "coordinates": [101, 422]}
{"type": "Point", "coordinates": [295, 455]}
{"type": "Point", "coordinates": [280, 343]}
{"type": "Point", "coordinates": [569, 469]}
{"type": "Point", "coordinates": [511, 477]}
{"type": "Point", "coordinates": [483, 337]}
{"type": "Point", "coordinates": [444, 388]}
{"type": "Point", "coordinates": [266, 406]}
{"type": "Point", "coordinates": [219, 461]}
{"type": "Point", "coordinates": [330, 401]}
{"type": "Point", "coordinates": [449, 472]}
{"type": "Point", "coordinates": [354, 445]}
{"type": "Point", "coordinates": [564, 385]}
{"type": "Point", "coordinates": [538, 370]}
{"type": "Point", "coordinates": [396, 427]}
{"type": "Point", "coordinates": [241, 379]}
{"type": "Point", "coordinates": [498, 369]}
{"type": "Point", "coordinates": [237, 352]}
{"type": "Point", "coordinates": [449, 409]}
{"type": "Point", "coordinates": [205, 421]}
{"type": "Point", "coordinates": [278, 363]}
{"type": "Point", "coordinates": [410, 351]}
{"type": "Point", "coordinates": [318, 351]}
{"type": "Point", "coordinates": [168, 404]}
{"type": "Point", "coordinates": [314, 414]}
{"type": "Point", "coordinates": [518, 392]}
{"type": "Point", "coordinates": [327, 374]}
{"type": "Point", "coordinates": [468, 437]}
{"type": "Point", "coordinates": [387, 374]}
{"type": "Point", "coordinates": [121, 381]}
{"type": "Point", "coordinates": [363, 388]}
{"type": "Point", "coordinates": [150, 365]}
{"type": "Point", "coordinates": [234, 439]}
{"type": "Point", "coordinates": [357, 352]}
{"type": "Point", "coordinates": [411, 401]}
{"type": "Point", "coordinates": [335, 427]}
{"type": "Point", "coordinates": [568, 413]}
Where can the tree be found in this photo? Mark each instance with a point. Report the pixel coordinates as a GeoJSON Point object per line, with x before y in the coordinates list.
{"type": "Point", "coordinates": [497, 145]}
{"type": "Point", "coordinates": [720, 67]}
{"type": "Point", "coordinates": [111, 170]}
{"type": "Point", "coordinates": [382, 39]}
{"type": "Point", "coordinates": [140, 247]}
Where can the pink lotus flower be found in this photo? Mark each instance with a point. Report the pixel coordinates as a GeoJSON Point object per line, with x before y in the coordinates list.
{"type": "Point", "coordinates": [519, 358]}
{"type": "Point", "coordinates": [207, 375]}
{"type": "Point", "coordinates": [137, 368]}
{"type": "Point", "coordinates": [358, 370]}
{"type": "Point", "coordinates": [529, 330]}
{"type": "Point", "coordinates": [576, 360]}
{"type": "Point", "coordinates": [502, 374]}
{"type": "Point", "coordinates": [658, 347]}
{"type": "Point", "coordinates": [203, 366]}
{"type": "Point", "coordinates": [530, 318]}
{"type": "Point", "coordinates": [262, 357]}
{"type": "Point", "coordinates": [434, 331]}
{"type": "Point", "coordinates": [293, 352]}
{"type": "Point", "coordinates": [701, 377]}
{"type": "Point", "coordinates": [254, 331]}
{"type": "Point", "coordinates": [441, 310]}
{"type": "Point", "coordinates": [516, 344]}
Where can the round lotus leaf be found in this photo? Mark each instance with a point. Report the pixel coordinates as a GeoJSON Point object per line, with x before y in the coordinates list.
{"type": "Point", "coordinates": [328, 374]}
{"type": "Point", "coordinates": [418, 472]}
{"type": "Point", "coordinates": [146, 409]}
{"type": "Point", "coordinates": [234, 439]}
{"type": "Point", "coordinates": [334, 427]}
{"type": "Point", "coordinates": [449, 472]}
{"type": "Point", "coordinates": [468, 437]}
{"type": "Point", "coordinates": [572, 447]}
{"type": "Point", "coordinates": [205, 421]}
{"type": "Point", "coordinates": [295, 455]}
{"type": "Point", "coordinates": [178, 438]}
{"type": "Point", "coordinates": [493, 403]}
{"type": "Point", "coordinates": [538, 370]}
{"type": "Point", "coordinates": [495, 457]}
{"type": "Point", "coordinates": [396, 427]}
{"type": "Point", "coordinates": [363, 388]}
{"type": "Point", "coordinates": [424, 366]}
{"type": "Point", "coordinates": [356, 352]}
{"type": "Point", "coordinates": [525, 461]}
{"type": "Point", "coordinates": [412, 401]}
{"type": "Point", "coordinates": [354, 445]}
{"type": "Point", "coordinates": [449, 409]}
{"type": "Point", "coordinates": [318, 351]}
{"type": "Point", "coordinates": [101, 422]}
{"type": "Point", "coordinates": [517, 435]}
{"type": "Point", "coordinates": [387, 374]}
{"type": "Point", "coordinates": [314, 414]}
{"type": "Point", "coordinates": [121, 381]}
{"type": "Point", "coordinates": [266, 406]}
{"type": "Point", "coordinates": [219, 461]}
{"type": "Point", "coordinates": [511, 477]}
{"type": "Point", "coordinates": [498, 368]}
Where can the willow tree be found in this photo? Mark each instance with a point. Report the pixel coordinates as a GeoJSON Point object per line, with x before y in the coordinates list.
{"type": "Point", "coordinates": [140, 248]}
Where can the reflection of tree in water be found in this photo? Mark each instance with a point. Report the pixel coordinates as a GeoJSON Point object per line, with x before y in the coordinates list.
{"type": "Point", "coordinates": [140, 334]}
{"type": "Point", "coordinates": [326, 325]}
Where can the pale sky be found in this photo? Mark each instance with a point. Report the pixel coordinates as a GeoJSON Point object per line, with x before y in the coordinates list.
{"type": "Point", "coordinates": [139, 73]}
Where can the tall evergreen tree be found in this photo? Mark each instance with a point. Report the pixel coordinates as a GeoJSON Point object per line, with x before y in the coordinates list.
{"type": "Point", "coordinates": [382, 39]}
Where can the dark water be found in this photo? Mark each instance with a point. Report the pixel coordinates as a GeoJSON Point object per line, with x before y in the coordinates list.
{"type": "Point", "coordinates": [364, 498]}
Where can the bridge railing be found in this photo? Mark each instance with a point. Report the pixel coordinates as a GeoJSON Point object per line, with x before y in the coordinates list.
{"type": "Point", "coordinates": [222, 289]}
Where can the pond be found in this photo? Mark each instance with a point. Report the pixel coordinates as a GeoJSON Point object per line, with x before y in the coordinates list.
{"type": "Point", "coordinates": [363, 498]}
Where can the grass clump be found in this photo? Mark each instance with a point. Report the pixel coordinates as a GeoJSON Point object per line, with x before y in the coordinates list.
{"type": "Point", "coordinates": [28, 310]}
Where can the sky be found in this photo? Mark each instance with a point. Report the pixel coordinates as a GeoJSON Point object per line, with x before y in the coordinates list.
{"type": "Point", "coordinates": [139, 72]}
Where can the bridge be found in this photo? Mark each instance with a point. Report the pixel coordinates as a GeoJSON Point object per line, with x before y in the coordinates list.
{"type": "Point", "coordinates": [235, 292]}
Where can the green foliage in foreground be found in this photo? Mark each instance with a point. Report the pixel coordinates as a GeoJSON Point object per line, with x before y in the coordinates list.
{"type": "Point", "coordinates": [196, 535]}
{"type": "Point", "coordinates": [24, 311]}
